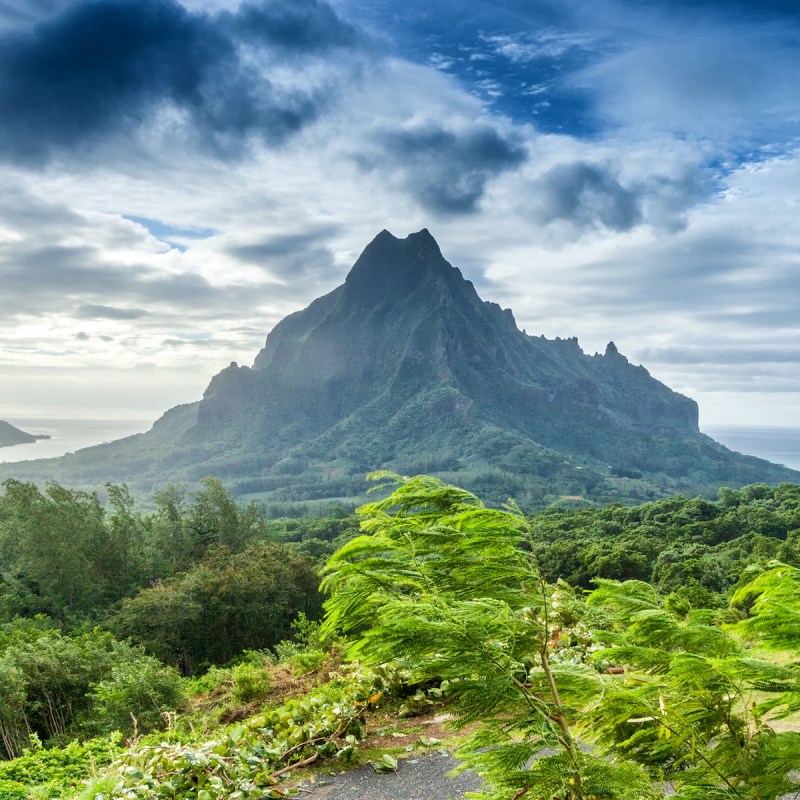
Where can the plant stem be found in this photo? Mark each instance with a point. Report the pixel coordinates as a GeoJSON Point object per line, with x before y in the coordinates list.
{"type": "Point", "coordinates": [567, 741]}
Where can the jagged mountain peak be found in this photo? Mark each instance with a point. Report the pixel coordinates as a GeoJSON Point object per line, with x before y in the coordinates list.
{"type": "Point", "coordinates": [394, 284]}
{"type": "Point", "coordinates": [407, 325]}
{"type": "Point", "coordinates": [392, 267]}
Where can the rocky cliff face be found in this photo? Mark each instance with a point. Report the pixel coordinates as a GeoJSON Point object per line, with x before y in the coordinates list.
{"type": "Point", "coordinates": [405, 367]}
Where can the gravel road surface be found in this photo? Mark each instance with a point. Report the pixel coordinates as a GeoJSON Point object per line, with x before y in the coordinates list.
{"type": "Point", "coordinates": [422, 777]}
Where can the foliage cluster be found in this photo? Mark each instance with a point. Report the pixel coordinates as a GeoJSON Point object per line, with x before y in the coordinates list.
{"type": "Point", "coordinates": [451, 589]}
{"type": "Point", "coordinates": [67, 554]}
{"type": "Point", "coordinates": [55, 770]}
{"type": "Point", "coordinates": [248, 760]}
{"type": "Point", "coordinates": [692, 549]}
{"type": "Point", "coordinates": [221, 606]}
{"type": "Point", "coordinates": [57, 686]}
{"type": "Point", "coordinates": [194, 582]}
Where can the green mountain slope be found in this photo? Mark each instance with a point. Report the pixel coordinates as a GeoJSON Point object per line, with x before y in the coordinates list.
{"type": "Point", "coordinates": [405, 367]}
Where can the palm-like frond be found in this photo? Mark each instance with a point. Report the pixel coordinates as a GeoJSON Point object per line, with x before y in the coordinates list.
{"type": "Point", "coordinates": [449, 588]}
{"type": "Point", "coordinates": [775, 613]}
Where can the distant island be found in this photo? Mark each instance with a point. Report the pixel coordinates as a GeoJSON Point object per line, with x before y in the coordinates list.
{"type": "Point", "coordinates": [9, 435]}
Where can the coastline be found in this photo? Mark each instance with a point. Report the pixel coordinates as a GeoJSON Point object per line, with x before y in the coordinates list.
{"type": "Point", "coordinates": [778, 444]}
{"type": "Point", "coordinates": [67, 435]}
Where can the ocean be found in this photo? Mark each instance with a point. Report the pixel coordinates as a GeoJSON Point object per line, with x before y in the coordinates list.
{"type": "Point", "coordinates": [781, 445]}
{"type": "Point", "coordinates": [67, 435]}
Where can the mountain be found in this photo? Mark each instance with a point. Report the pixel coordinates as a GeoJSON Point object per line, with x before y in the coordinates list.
{"type": "Point", "coordinates": [405, 367]}
{"type": "Point", "coordinates": [9, 435]}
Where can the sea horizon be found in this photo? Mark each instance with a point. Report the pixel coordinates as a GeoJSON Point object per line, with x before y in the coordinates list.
{"type": "Point", "coordinates": [777, 443]}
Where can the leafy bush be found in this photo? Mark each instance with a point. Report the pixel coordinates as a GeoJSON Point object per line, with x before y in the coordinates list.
{"type": "Point", "coordinates": [134, 698]}
{"type": "Point", "coordinates": [12, 790]}
{"type": "Point", "coordinates": [57, 686]}
{"type": "Point", "coordinates": [58, 769]}
{"type": "Point", "coordinates": [306, 651]}
{"type": "Point", "coordinates": [251, 682]}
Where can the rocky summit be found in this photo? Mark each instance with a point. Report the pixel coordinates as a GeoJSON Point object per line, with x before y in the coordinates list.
{"type": "Point", "coordinates": [404, 367]}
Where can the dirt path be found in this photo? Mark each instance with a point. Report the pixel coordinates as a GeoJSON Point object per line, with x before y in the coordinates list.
{"type": "Point", "coordinates": [422, 777]}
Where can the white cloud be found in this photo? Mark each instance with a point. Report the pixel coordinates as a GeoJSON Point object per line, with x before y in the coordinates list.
{"type": "Point", "coordinates": [705, 260]}
{"type": "Point", "coordinates": [722, 81]}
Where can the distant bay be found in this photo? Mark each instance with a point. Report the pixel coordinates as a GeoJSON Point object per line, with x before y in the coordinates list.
{"type": "Point", "coordinates": [779, 445]}
{"type": "Point", "coordinates": [67, 435]}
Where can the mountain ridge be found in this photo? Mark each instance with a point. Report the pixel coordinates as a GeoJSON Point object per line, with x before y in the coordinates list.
{"type": "Point", "coordinates": [404, 366]}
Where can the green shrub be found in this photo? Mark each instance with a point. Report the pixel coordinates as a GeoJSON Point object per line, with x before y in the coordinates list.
{"type": "Point", "coordinates": [11, 790]}
{"type": "Point", "coordinates": [57, 768]}
{"type": "Point", "coordinates": [207, 682]}
{"type": "Point", "coordinates": [306, 651]}
{"type": "Point", "coordinates": [58, 686]}
{"type": "Point", "coordinates": [135, 697]}
{"type": "Point", "coordinates": [251, 682]}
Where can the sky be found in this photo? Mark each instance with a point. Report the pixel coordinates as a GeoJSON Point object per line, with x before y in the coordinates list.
{"type": "Point", "coordinates": [176, 177]}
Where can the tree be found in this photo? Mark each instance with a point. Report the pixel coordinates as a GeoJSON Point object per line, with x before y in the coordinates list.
{"type": "Point", "coordinates": [216, 519]}
{"type": "Point", "coordinates": [223, 605]}
{"type": "Point", "coordinates": [56, 545]}
{"type": "Point", "coordinates": [450, 589]}
{"type": "Point", "coordinates": [687, 705]}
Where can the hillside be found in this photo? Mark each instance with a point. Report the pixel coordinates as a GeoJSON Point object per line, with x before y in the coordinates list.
{"type": "Point", "coordinates": [9, 435]}
{"type": "Point", "coordinates": [405, 367]}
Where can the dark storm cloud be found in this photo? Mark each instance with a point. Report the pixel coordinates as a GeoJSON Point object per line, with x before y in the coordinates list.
{"type": "Point", "coordinates": [109, 312]}
{"type": "Point", "coordinates": [36, 280]}
{"type": "Point", "coordinates": [299, 25]}
{"type": "Point", "coordinates": [445, 170]}
{"type": "Point", "coordinates": [102, 66]}
{"type": "Point", "coordinates": [587, 195]}
{"type": "Point", "coordinates": [591, 195]}
{"type": "Point", "coordinates": [666, 199]}
{"type": "Point", "coordinates": [295, 258]}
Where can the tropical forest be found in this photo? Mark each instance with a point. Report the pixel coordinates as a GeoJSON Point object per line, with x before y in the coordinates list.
{"type": "Point", "coordinates": [195, 647]}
